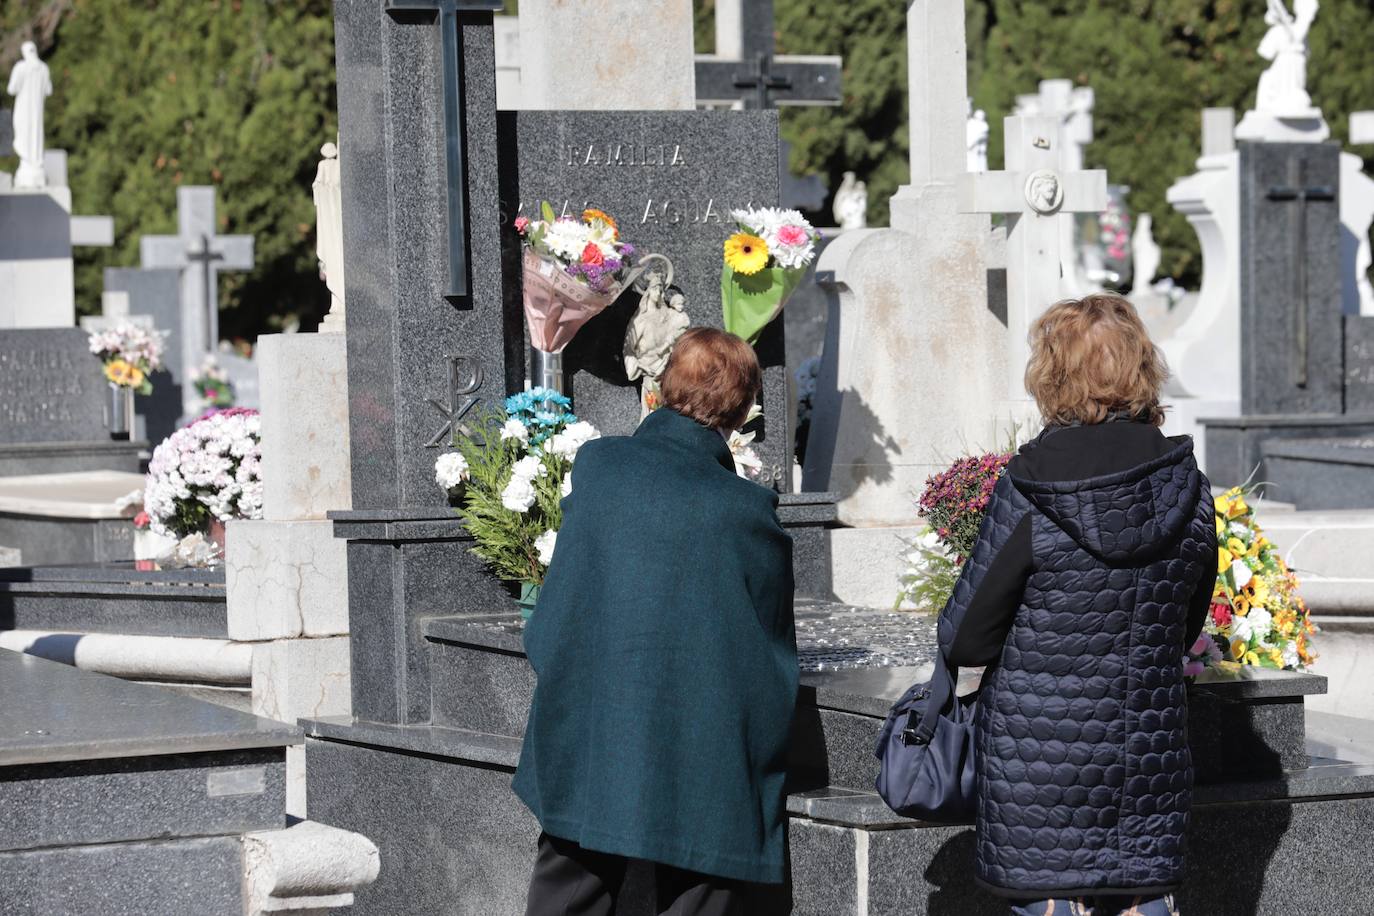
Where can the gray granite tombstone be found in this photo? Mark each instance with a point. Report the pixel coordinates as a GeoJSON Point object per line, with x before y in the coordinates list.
{"type": "Point", "coordinates": [156, 292]}
{"type": "Point", "coordinates": [52, 397]}
{"type": "Point", "coordinates": [670, 179]}
{"type": "Point", "coordinates": [1359, 363]}
{"type": "Point", "coordinates": [1290, 279]}
{"type": "Point", "coordinates": [121, 798]}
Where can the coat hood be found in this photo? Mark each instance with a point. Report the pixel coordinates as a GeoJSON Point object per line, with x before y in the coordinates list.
{"type": "Point", "coordinates": [1124, 517]}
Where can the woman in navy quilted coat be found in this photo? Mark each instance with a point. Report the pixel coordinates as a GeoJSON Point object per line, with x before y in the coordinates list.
{"type": "Point", "coordinates": [1092, 572]}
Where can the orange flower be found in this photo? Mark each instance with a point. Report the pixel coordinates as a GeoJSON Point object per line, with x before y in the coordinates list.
{"type": "Point", "coordinates": [591, 214]}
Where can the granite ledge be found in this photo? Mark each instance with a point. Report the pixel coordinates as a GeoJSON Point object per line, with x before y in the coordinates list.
{"type": "Point", "coordinates": [434, 740]}
{"type": "Point", "coordinates": [54, 713]}
{"type": "Point", "coordinates": [105, 446]}
{"type": "Point", "coordinates": [1264, 421]}
{"type": "Point", "coordinates": [499, 632]}
{"type": "Point", "coordinates": [125, 572]}
{"type": "Point", "coordinates": [189, 591]}
{"type": "Point", "coordinates": [1326, 451]}
{"type": "Point", "coordinates": [1325, 779]}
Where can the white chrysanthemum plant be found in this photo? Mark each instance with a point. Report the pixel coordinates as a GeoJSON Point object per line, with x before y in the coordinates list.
{"type": "Point", "coordinates": [202, 476]}
{"type": "Point", "coordinates": [508, 478]}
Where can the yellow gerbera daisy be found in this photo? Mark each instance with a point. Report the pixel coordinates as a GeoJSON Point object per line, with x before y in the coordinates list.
{"type": "Point", "coordinates": [746, 254]}
{"type": "Point", "coordinates": [1224, 559]}
{"type": "Point", "coordinates": [122, 372]}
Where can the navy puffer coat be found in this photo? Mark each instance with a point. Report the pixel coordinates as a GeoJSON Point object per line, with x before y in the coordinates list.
{"type": "Point", "coordinates": [1084, 773]}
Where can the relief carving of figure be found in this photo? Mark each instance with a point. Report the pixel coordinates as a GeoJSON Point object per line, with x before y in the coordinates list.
{"type": "Point", "coordinates": [1043, 191]}
{"type": "Point", "coordinates": [657, 324]}
{"type": "Point", "coordinates": [1283, 86]}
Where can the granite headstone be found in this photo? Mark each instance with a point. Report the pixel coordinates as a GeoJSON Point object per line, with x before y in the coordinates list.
{"type": "Point", "coordinates": [51, 387]}
{"type": "Point", "coordinates": [1359, 364]}
{"type": "Point", "coordinates": [670, 179]}
{"type": "Point", "coordinates": [1291, 347]}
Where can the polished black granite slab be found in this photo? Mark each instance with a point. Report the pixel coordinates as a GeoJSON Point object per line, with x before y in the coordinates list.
{"type": "Point", "coordinates": [53, 712]}
{"type": "Point", "coordinates": [121, 572]}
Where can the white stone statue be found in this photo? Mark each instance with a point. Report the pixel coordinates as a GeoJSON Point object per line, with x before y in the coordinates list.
{"type": "Point", "coordinates": [1145, 255]}
{"type": "Point", "coordinates": [329, 234]}
{"type": "Point", "coordinates": [653, 331]}
{"type": "Point", "coordinates": [1283, 86]}
{"type": "Point", "coordinates": [977, 135]}
{"type": "Point", "coordinates": [30, 84]}
{"type": "Point", "coordinates": [851, 203]}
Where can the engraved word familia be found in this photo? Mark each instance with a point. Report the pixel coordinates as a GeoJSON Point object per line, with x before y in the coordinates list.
{"type": "Point", "coordinates": [648, 155]}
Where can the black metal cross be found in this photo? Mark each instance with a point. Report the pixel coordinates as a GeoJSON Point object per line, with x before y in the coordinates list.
{"type": "Point", "coordinates": [1296, 191]}
{"type": "Point", "coordinates": [205, 256]}
{"type": "Point", "coordinates": [762, 80]}
{"type": "Point", "coordinates": [447, 16]}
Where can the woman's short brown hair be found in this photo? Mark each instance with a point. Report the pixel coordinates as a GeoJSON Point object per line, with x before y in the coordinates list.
{"type": "Point", "coordinates": [1091, 358]}
{"type": "Point", "coordinates": [712, 377]}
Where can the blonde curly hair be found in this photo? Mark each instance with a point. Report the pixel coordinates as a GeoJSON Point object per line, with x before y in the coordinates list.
{"type": "Point", "coordinates": [1091, 358]}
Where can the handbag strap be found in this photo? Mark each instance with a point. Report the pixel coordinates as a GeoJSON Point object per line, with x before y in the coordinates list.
{"type": "Point", "coordinates": [941, 691]}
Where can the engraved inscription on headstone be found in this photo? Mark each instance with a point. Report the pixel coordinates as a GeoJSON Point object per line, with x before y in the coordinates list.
{"type": "Point", "coordinates": [464, 379]}
{"type": "Point", "coordinates": [51, 388]}
{"type": "Point", "coordinates": [695, 167]}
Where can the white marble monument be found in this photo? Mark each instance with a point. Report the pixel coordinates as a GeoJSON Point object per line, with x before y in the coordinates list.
{"type": "Point", "coordinates": [30, 85]}
{"type": "Point", "coordinates": [1038, 197]}
{"type": "Point", "coordinates": [1072, 106]}
{"type": "Point", "coordinates": [850, 208]}
{"type": "Point", "coordinates": [1283, 108]}
{"type": "Point", "coordinates": [329, 234]}
{"type": "Point", "coordinates": [914, 363]}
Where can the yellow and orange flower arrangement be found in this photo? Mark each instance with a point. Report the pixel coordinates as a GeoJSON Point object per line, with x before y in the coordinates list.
{"type": "Point", "coordinates": [1257, 615]}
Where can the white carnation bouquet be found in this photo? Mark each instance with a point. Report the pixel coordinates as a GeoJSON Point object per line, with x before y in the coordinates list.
{"type": "Point", "coordinates": [508, 478]}
{"type": "Point", "coordinates": [208, 471]}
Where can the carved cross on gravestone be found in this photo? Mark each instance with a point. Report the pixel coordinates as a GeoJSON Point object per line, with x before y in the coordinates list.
{"type": "Point", "coordinates": [200, 254]}
{"type": "Point", "coordinates": [446, 15]}
{"type": "Point", "coordinates": [1297, 192]}
{"type": "Point", "coordinates": [1035, 195]}
{"type": "Point", "coordinates": [746, 72]}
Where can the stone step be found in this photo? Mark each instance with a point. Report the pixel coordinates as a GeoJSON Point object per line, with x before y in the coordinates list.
{"type": "Point", "coordinates": [129, 598]}
{"type": "Point", "coordinates": [1331, 552]}
{"type": "Point", "coordinates": [849, 853]}
{"type": "Point", "coordinates": [1323, 473]}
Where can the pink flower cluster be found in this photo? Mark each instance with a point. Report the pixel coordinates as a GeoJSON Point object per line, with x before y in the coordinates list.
{"type": "Point", "coordinates": [954, 501]}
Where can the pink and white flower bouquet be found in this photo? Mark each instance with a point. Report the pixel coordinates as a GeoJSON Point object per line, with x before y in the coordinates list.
{"type": "Point", "coordinates": [206, 473]}
{"type": "Point", "coordinates": [130, 353]}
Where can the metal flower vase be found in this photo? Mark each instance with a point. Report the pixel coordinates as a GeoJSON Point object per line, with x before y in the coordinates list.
{"type": "Point", "coordinates": [119, 410]}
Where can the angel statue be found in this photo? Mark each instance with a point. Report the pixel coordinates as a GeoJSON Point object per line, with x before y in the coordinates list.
{"type": "Point", "coordinates": [1283, 85]}
{"type": "Point", "coordinates": [653, 330]}
{"type": "Point", "coordinates": [851, 203]}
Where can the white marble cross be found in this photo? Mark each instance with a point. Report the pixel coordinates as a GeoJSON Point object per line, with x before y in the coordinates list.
{"type": "Point", "coordinates": [200, 254]}
{"type": "Point", "coordinates": [1036, 195]}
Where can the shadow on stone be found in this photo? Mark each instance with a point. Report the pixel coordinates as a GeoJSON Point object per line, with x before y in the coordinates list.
{"type": "Point", "coordinates": [60, 647]}
{"type": "Point", "coordinates": [950, 872]}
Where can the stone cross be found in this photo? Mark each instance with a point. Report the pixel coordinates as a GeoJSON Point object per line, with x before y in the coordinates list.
{"type": "Point", "coordinates": [744, 72]}
{"type": "Point", "coordinates": [1036, 196]}
{"type": "Point", "coordinates": [446, 14]}
{"type": "Point", "coordinates": [200, 254]}
{"type": "Point", "coordinates": [1297, 191]}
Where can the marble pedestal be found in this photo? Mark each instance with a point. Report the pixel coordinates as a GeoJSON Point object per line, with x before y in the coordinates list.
{"type": "Point", "coordinates": [36, 259]}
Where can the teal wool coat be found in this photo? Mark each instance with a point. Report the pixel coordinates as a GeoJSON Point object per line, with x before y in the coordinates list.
{"type": "Point", "coordinates": [666, 659]}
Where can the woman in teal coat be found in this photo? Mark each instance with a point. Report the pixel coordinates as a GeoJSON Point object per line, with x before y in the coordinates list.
{"type": "Point", "coordinates": [666, 660]}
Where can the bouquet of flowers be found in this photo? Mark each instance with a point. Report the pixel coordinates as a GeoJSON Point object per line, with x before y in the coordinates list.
{"type": "Point", "coordinates": [212, 385]}
{"type": "Point", "coordinates": [130, 354]}
{"type": "Point", "coordinates": [952, 504]}
{"type": "Point", "coordinates": [573, 269]}
{"type": "Point", "coordinates": [1257, 616]}
{"type": "Point", "coordinates": [765, 261]}
{"type": "Point", "coordinates": [510, 476]}
{"type": "Point", "coordinates": [207, 472]}
{"type": "Point", "coordinates": [747, 462]}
